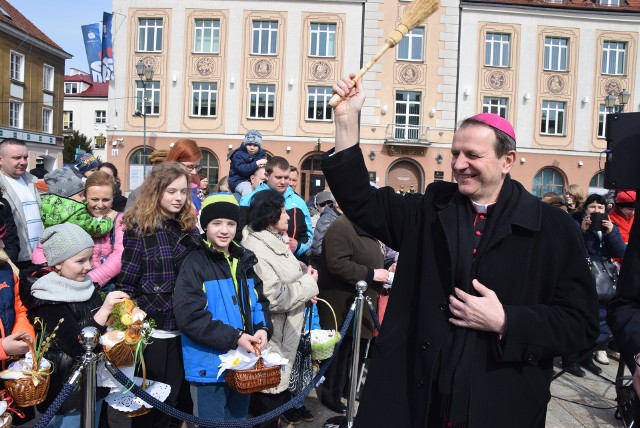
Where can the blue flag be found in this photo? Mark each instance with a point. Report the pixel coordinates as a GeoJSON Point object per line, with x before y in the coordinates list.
{"type": "Point", "coordinates": [107, 47]}
{"type": "Point", "coordinates": [93, 47]}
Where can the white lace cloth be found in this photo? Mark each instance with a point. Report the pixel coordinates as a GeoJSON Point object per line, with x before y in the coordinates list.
{"type": "Point", "coordinates": [126, 401]}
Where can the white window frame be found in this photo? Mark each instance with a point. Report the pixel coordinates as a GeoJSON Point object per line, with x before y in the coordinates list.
{"type": "Point", "coordinates": [150, 31]}
{"type": "Point", "coordinates": [206, 36]}
{"type": "Point", "coordinates": [497, 49]}
{"type": "Point", "coordinates": [100, 116]}
{"type": "Point", "coordinates": [618, 50]}
{"type": "Point", "coordinates": [555, 53]}
{"type": "Point", "coordinates": [16, 66]}
{"type": "Point", "coordinates": [264, 37]}
{"type": "Point", "coordinates": [67, 120]}
{"type": "Point", "coordinates": [48, 76]}
{"type": "Point", "coordinates": [407, 119]}
{"type": "Point", "coordinates": [405, 49]}
{"type": "Point", "coordinates": [204, 92]}
{"type": "Point", "coordinates": [553, 111]}
{"type": "Point", "coordinates": [603, 111]}
{"type": "Point", "coordinates": [496, 105]}
{"type": "Point", "coordinates": [47, 120]}
{"type": "Point", "coordinates": [318, 109]}
{"type": "Point", "coordinates": [260, 97]}
{"type": "Point", "coordinates": [152, 95]}
{"type": "Point", "coordinates": [609, 2]}
{"type": "Point", "coordinates": [70, 86]}
{"type": "Point", "coordinates": [322, 35]}
{"type": "Point", "coordinates": [543, 182]}
{"type": "Point", "coordinates": [16, 112]}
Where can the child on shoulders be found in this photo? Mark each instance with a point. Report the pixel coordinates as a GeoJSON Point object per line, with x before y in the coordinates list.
{"type": "Point", "coordinates": [244, 162]}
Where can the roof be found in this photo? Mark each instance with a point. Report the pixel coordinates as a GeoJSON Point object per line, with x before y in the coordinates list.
{"type": "Point", "coordinates": [626, 6]}
{"type": "Point", "coordinates": [94, 90]}
{"type": "Point", "coordinates": [20, 22]}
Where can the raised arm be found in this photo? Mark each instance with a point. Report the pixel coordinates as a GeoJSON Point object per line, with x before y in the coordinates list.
{"type": "Point", "coordinates": [345, 114]}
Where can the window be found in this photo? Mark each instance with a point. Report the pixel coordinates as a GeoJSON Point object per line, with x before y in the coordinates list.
{"type": "Point", "coordinates": [151, 97]}
{"type": "Point", "coordinates": [139, 167]}
{"type": "Point", "coordinates": [204, 99]}
{"type": "Point", "coordinates": [495, 105]}
{"type": "Point", "coordinates": [47, 78]}
{"type": "Point", "coordinates": [602, 121]}
{"type": "Point", "coordinates": [15, 114]}
{"type": "Point", "coordinates": [496, 50]}
{"type": "Point", "coordinates": [101, 116]}
{"type": "Point", "coordinates": [262, 98]}
{"type": "Point", "coordinates": [71, 87]}
{"type": "Point", "coordinates": [556, 51]}
{"type": "Point", "coordinates": [209, 165]}
{"type": "Point", "coordinates": [609, 2]}
{"type": "Point", "coordinates": [597, 180]}
{"type": "Point", "coordinates": [407, 120]}
{"type": "Point", "coordinates": [67, 120]}
{"type": "Point", "coordinates": [411, 46]}
{"type": "Point", "coordinates": [613, 57]}
{"type": "Point", "coordinates": [17, 66]}
{"type": "Point", "coordinates": [547, 180]}
{"type": "Point", "coordinates": [150, 34]}
{"type": "Point", "coordinates": [318, 107]}
{"type": "Point", "coordinates": [265, 38]}
{"type": "Point", "coordinates": [207, 36]}
{"type": "Point", "coordinates": [552, 118]}
{"type": "Point", "coordinates": [323, 40]}
{"type": "Point", "coordinates": [47, 120]}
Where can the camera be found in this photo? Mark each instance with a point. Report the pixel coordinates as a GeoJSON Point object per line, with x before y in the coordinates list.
{"type": "Point", "coordinates": [596, 221]}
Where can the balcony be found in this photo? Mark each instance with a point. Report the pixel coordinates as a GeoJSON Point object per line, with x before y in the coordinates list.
{"type": "Point", "coordinates": [409, 135]}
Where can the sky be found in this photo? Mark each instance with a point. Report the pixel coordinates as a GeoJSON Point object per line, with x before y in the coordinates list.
{"type": "Point", "coordinates": [61, 21]}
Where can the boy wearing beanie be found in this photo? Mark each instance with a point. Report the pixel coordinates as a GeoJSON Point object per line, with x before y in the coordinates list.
{"type": "Point", "coordinates": [86, 164]}
{"type": "Point", "coordinates": [244, 162]}
{"type": "Point", "coordinates": [64, 203]}
{"type": "Point", "coordinates": [219, 305]}
{"type": "Point", "coordinates": [68, 294]}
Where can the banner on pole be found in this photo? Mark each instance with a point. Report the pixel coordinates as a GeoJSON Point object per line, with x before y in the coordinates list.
{"type": "Point", "coordinates": [93, 47]}
{"type": "Point", "coordinates": [107, 47]}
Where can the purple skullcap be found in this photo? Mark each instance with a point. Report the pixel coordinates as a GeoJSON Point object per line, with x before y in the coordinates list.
{"type": "Point", "coordinates": [496, 122]}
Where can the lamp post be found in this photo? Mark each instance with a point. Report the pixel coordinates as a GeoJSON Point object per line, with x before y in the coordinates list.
{"type": "Point", "coordinates": [622, 98]}
{"type": "Point", "coordinates": [145, 73]}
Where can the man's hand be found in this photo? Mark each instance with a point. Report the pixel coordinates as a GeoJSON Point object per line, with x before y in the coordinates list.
{"type": "Point", "coordinates": [381, 275]}
{"type": "Point", "coordinates": [484, 312]}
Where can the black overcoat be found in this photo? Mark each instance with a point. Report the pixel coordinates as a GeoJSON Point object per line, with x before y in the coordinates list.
{"type": "Point", "coordinates": [535, 264]}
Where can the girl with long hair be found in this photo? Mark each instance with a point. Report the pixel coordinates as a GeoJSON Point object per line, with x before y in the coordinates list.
{"type": "Point", "coordinates": [187, 153]}
{"type": "Point", "coordinates": [160, 229]}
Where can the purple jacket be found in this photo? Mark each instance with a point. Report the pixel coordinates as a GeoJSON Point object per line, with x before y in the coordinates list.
{"type": "Point", "coordinates": [150, 266]}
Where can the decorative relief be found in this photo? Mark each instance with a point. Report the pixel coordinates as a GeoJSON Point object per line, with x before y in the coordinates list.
{"type": "Point", "coordinates": [205, 66]}
{"type": "Point", "coordinates": [152, 62]}
{"type": "Point", "coordinates": [263, 68]}
{"type": "Point", "coordinates": [409, 74]}
{"type": "Point", "coordinates": [555, 83]}
{"type": "Point", "coordinates": [497, 80]}
{"type": "Point", "coordinates": [321, 70]}
{"type": "Point", "coordinates": [612, 86]}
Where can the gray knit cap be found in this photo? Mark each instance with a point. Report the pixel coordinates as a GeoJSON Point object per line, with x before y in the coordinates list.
{"type": "Point", "coordinates": [63, 182]}
{"type": "Point", "coordinates": [63, 241]}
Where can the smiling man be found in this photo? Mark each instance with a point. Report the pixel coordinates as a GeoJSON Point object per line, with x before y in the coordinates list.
{"type": "Point", "coordinates": [491, 284]}
{"type": "Point", "coordinates": [24, 198]}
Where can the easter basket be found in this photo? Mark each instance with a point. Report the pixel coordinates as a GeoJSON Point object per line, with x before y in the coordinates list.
{"type": "Point", "coordinates": [254, 380]}
{"type": "Point", "coordinates": [128, 334]}
{"type": "Point", "coordinates": [323, 342]}
{"type": "Point", "coordinates": [31, 389]}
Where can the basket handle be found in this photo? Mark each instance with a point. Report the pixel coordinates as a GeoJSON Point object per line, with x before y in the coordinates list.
{"type": "Point", "coordinates": [33, 353]}
{"type": "Point", "coordinates": [335, 320]}
{"type": "Point", "coordinates": [260, 362]}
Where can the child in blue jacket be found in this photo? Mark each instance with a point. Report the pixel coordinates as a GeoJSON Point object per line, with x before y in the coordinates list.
{"type": "Point", "coordinates": [244, 162]}
{"type": "Point", "coordinates": [219, 306]}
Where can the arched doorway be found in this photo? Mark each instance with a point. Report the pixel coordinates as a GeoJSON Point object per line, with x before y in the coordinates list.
{"type": "Point", "coordinates": [405, 175]}
{"type": "Point", "coordinates": [547, 180]}
{"type": "Point", "coordinates": [139, 158]}
{"type": "Point", "coordinates": [312, 179]}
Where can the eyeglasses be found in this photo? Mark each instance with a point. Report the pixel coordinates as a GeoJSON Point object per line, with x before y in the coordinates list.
{"type": "Point", "coordinates": [192, 167]}
{"type": "Point", "coordinates": [322, 204]}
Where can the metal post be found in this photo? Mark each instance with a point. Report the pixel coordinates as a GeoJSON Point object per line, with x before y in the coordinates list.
{"type": "Point", "coordinates": [144, 130]}
{"type": "Point", "coordinates": [89, 338]}
{"type": "Point", "coordinates": [361, 287]}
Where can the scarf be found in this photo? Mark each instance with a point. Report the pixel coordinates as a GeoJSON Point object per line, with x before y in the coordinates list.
{"type": "Point", "coordinates": [624, 225]}
{"type": "Point", "coordinates": [458, 353]}
{"type": "Point", "coordinates": [56, 288]}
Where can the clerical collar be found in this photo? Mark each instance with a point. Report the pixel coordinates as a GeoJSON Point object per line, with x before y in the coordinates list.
{"type": "Point", "coordinates": [481, 208]}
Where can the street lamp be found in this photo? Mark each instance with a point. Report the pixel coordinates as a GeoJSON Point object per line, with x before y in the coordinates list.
{"type": "Point", "coordinates": [145, 73]}
{"type": "Point", "coordinates": [622, 98]}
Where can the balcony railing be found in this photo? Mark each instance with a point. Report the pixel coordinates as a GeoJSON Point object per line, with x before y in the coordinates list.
{"type": "Point", "coordinates": [407, 134]}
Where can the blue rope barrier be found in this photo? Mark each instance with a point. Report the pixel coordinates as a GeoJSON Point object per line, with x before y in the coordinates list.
{"type": "Point", "coordinates": [55, 406]}
{"type": "Point", "coordinates": [186, 417]}
{"type": "Point", "coordinates": [374, 315]}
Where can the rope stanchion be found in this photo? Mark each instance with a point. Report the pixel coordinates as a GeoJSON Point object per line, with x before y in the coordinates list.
{"type": "Point", "coordinates": [55, 406]}
{"type": "Point", "coordinates": [374, 314]}
{"type": "Point", "coordinates": [186, 417]}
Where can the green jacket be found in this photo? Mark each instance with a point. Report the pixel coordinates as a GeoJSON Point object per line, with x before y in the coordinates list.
{"type": "Point", "coordinates": [56, 209]}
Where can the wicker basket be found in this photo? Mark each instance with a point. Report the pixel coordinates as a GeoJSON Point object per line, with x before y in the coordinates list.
{"type": "Point", "coordinates": [6, 420]}
{"type": "Point", "coordinates": [122, 354]}
{"type": "Point", "coordinates": [254, 380]}
{"type": "Point", "coordinates": [323, 351]}
{"type": "Point", "coordinates": [23, 390]}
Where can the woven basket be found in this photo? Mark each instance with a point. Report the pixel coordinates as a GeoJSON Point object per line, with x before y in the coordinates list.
{"type": "Point", "coordinates": [254, 380]}
{"type": "Point", "coordinates": [323, 351]}
{"type": "Point", "coordinates": [122, 354]}
{"type": "Point", "coordinates": [23, 390]}
{"type": "Point", "coordinates": [8, 420]}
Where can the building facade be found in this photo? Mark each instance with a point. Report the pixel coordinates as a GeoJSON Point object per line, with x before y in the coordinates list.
{"type": "Point", "coordinates": [31, 87]}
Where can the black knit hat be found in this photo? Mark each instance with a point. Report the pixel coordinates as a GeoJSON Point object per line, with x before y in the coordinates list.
{"type": "Point", "coordinates": [219, 205]}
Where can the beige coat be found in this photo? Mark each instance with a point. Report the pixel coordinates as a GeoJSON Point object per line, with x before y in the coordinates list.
{"type": "Point", "coordinates": [287, 288]}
